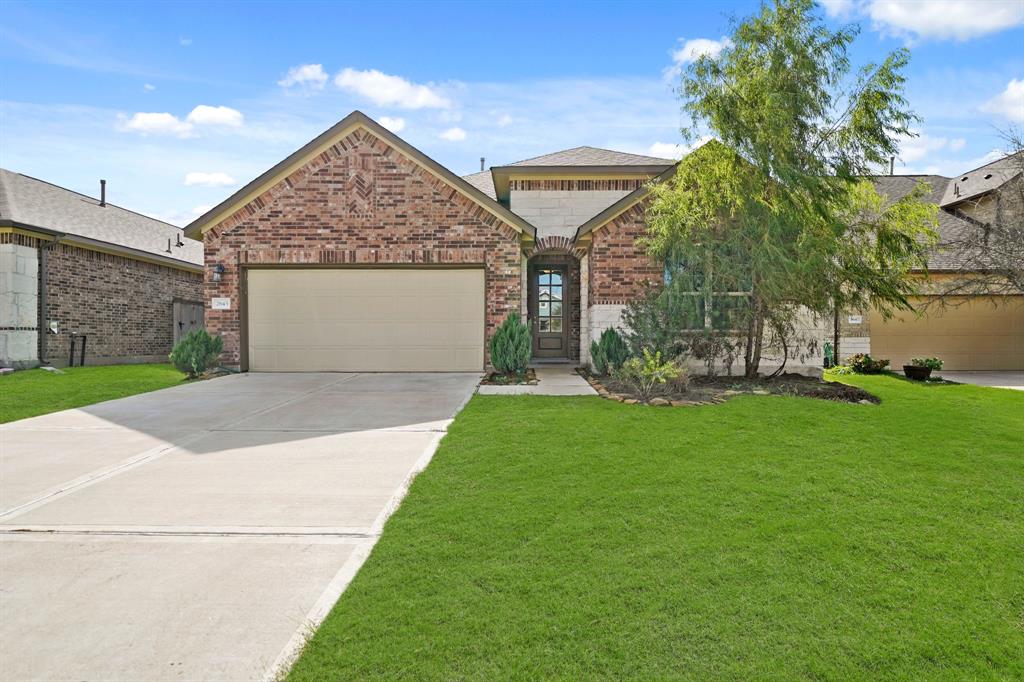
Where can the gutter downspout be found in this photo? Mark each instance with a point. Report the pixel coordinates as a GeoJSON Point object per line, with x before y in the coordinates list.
{"type": "Point", "coordinates": [41, 321]}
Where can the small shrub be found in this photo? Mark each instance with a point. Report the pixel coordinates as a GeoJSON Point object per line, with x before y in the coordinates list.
{"type": "Point", "coordinates": [608, 352]}
{"type": "Point", "coordinates": [862, 363]}
{"type": "Point", "coordinates": [196, 352]}
{"type": "Point", "coordinates": [933, 364]}
{"type": "Point", "coordinates": [511, 345]}
{"type": "Point", "coordinates": [839, 370]}
{"type": "Point", "coordinates": [711, 347]}
{"type": "Point", "coordinates": [680, 383]}
{"type": "Point", "coordinates": [647, 373]}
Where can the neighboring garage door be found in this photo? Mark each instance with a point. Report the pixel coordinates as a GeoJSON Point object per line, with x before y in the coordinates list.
{"type": "Point", "coordinates": [361, 319]}
{"type": "Point", "coordinates": [976, 335]}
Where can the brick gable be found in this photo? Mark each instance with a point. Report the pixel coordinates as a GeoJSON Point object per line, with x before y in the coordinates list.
{"type": "Point", "coordinates": [361, 202]}
{"type": "Point", "coordinates": [619, 268]}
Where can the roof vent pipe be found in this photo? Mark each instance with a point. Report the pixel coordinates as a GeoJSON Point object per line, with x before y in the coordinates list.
{"type": "Point", "coordinates": [892, 164]}
{"type": "Point", "coordinates": [103, 193]}
{"type": "Point", "coordinates": [481, 164]}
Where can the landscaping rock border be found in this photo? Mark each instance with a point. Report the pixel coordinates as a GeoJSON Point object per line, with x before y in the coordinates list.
{"type": "Point", "coordinates": [654, 402]}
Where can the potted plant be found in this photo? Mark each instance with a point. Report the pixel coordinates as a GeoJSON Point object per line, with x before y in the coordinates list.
{"type": "Point", "coordinates": [920, 369]}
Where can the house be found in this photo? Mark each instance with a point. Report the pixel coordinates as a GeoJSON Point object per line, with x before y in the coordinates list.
{"type": "Point", "coordinates": [359, 253]}
{"type": "Point", "coordinates": [75, 269]}
{"type": "Point", "coordinates": [970, 332]}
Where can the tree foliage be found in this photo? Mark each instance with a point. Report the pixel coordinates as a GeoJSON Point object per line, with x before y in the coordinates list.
{"type": "Point", "coordinates": [777, 216]}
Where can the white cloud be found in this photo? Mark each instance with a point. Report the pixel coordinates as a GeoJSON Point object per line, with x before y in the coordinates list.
{"type": "Point", "coordinates": [1009, 103]}
{"type": "Point", "coordinates": [215, 179]}
{"type": "Point", "coordinates": [387, 90]}
{"type": "Point", "coordinates": [837, 8]}
{"type": "Point", "coordinates": [394, 124]}
{"type": "Point", "coordinates": [672, 150]}
{"type": "Point", "coordinates": [453, 135]}
{"type": "Point", "coordinates": [215, 116]}
{"type": "Point", "coordinates": [504, 120]}
{"type": "Point", "coordinates": [308, 75]}
{"type": "Point", "coordinates": [156, 123]}
{"type": "Point", "coordinates": [163, 123]}
{"type": "Point", "coordinates": [938, 19]}
{"type": "Point", "coordinates": [690, 50]}
{"type": "Point", "coordinates": [184, 42]}
{"type": "Point", "coordinates": [148, 87]}
{"type": "Point", "coordinates": [914, 149]}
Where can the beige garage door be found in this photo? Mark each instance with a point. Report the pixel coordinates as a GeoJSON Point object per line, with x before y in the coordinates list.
{"type": "Point", "coordinates": [383, 320]}
{"type": "Point", "coordinates": [975, 335]}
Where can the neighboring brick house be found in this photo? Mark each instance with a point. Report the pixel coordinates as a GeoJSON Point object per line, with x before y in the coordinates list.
{"type": "Point", "coordinates": [359, 253]}
{"type": "Point", "coordinates": [73, 266]}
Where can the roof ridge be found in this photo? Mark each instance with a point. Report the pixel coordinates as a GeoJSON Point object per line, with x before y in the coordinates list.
{"type": "Point", "coordinates": [592, 148]}
{"type": "Point", "coordinates": [86, 196]}
{"type": "Point", "coordinates": [1004, 157]}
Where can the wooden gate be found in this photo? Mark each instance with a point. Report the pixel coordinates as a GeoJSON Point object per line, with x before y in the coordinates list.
{"type": "Point", "coordinates": [188, 317]}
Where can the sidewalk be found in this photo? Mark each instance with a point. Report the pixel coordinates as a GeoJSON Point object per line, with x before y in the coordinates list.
{"type": "Point", "coordinates": [551, 380]}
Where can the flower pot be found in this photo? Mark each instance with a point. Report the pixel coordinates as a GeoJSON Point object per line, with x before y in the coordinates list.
{"type": "Point", "coordinates": [917, 373]}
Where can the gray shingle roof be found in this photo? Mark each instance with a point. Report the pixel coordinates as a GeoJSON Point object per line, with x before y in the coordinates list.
{"type": "Point", "coordinates": [593, 156]}
{"type": "Point", "coordinates": [37, 203]}
{"type": "Point", "coordinates": [483, 181]}
{"type": "Point", "coordinates": [980, 180]}
{"type": "Point", "coordinates": [951, 227]}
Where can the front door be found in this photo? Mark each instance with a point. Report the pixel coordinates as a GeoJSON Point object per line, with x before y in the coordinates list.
{"type": "Point", "coordinates": [549, 312]}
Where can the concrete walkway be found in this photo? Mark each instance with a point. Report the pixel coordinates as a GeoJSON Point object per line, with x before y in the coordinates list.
{"type": "Point", "coordinates": [198, 532]}
{"type": "Point", "coordinates": [551, 380]}
{"type": "Point", "coordinates": [998, 379]}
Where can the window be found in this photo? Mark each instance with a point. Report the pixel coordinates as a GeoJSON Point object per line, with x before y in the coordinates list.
{"type": "Point", "coordinates": [549, 300]}
{"type": "Point", "coordinates": [704, 307]}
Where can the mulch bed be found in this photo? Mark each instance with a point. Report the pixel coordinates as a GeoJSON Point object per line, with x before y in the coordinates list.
{"type": "Point", "coordinates": [502, 379]}
{"type": "Point", "coordinates": [704, 390]}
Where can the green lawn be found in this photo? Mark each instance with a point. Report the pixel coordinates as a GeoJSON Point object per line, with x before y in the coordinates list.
{"type": "Point", "coordinates": [33, 392]}
{"type": "Point", "coordinates": [765, 538]}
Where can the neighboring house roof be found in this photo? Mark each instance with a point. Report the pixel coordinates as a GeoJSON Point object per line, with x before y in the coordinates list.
{"type": "Point", "coordinates": [483, 181]}
{"type": "Point", "coordinates": [952, 228]}
{"type": "Point", "coordinates": [326, 140]}
{"type": "Point", "coordinates": [593, 156]}
{"type": "Point", "coordinates": [982, 180]}
{"type": "Point", "coordinates": [30, 203]}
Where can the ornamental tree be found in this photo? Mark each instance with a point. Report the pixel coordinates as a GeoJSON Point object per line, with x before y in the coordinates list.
{"type": "Point", "coordinates": [778, 216]}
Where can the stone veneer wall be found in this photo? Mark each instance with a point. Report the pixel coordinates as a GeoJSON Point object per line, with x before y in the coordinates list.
{"type": "Point", "coordinates": [361, 202]}
{"type": "Point", "coordinates": [19, 301]}
{"type": "Point", "coordinates": [558, 212]}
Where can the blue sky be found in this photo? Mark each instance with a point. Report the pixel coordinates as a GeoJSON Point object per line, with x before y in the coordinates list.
{"type": "Point", "coordinates": [179, 104]}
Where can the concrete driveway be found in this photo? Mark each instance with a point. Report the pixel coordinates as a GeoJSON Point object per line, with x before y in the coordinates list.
{"type": "Point", "coordinates": [194, 533]}
{"type": "Point", "coordinates": [998, 379]}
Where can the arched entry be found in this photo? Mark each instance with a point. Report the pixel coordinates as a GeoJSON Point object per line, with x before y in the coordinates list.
{"type": "Point", "coordinates": [553, 300]}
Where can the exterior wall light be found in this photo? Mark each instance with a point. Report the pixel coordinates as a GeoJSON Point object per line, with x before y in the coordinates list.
{"type": "Point", "coordinates": [218, 272]}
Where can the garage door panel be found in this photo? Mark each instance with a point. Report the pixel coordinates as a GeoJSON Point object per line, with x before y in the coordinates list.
{"type": "Point", "coordinates": [366, 320]}
{"type": "Point", "coordinates": [975, 335]}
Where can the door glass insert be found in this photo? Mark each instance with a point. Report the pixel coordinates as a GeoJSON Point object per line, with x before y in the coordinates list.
{"type": "Point", "coordinates": [549, 300]}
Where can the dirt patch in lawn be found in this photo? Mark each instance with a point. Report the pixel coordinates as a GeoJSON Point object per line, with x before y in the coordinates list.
{"type": "Point", "coordinates": [503, 379]}
{"type": "Point", "coordinates": [702, 390]}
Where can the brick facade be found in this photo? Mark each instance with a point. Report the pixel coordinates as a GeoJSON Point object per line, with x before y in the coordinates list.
{"type": "Point", "coordinates": [125, 306]}
{"type": "Point", "coordinates": [361, 202]}
{"type": "Point", "coordinates": [619, 267]}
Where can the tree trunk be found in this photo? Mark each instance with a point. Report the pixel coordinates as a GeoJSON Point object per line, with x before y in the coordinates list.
{"type": "Point", "coordinates": [835, 333]}
{"type": "Point", "coordinates": [755, 340]}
